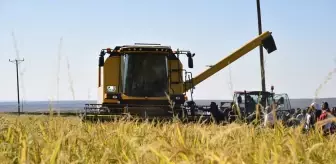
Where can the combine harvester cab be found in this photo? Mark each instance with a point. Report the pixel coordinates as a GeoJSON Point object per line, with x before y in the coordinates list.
{"type": "Point", "coordinates": [146, 80]}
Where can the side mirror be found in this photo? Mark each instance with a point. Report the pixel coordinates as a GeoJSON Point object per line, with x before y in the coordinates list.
{"type": "Point", "coordinates": [101, 58]}
{"type": "Point", "coordinates": [101, 61]}
{"type": "Point", "coordinates": [190, 62]}
{"type": "Point", "coordinates": [240, 100]}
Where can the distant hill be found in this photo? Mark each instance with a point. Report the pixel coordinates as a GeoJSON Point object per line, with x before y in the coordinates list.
{"type": "Point", "coordinates": [32, 106]}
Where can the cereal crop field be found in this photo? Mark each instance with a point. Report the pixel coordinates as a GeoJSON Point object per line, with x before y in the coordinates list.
{"type": "Point", "coordinates": [44, 139]}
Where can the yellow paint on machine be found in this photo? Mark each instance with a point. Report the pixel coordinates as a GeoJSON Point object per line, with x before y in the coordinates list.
{"type": "Point", "coordinates": [176, 80]}
{"type": "Point", "coordinates": [111, 72]}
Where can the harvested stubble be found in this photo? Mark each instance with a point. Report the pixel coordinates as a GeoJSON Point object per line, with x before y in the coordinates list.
{"type": "Point", "coordinates": [42, 139]}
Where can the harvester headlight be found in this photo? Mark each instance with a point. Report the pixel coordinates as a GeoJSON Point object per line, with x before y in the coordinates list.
{"type": "Point", "coordinates": [111, 88]}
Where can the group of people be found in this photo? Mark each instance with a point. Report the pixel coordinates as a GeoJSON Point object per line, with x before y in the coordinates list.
{"type": "Point", "coordinates": [314, 116]}
{"type": "Point", "coordinates": [320, 114]}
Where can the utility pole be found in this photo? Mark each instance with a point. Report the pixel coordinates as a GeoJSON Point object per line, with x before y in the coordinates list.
{"type": "Point", "coordinates": [17, 62]}
{"type": "Point", "coordinates": [263, 83]}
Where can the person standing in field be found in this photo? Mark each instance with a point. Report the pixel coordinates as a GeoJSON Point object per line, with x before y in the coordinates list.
{"type": "Point", "coordinates": [316, 107]}
{"type": "Point", "coordinates": [309, 119]}
{"type": "Point", "coordinates": [327, 126]}
{"type": "Point", "coordinates": [297, 112]}
{"type": "Point", "coordinates": [333, 111]}
{"type": "Point", "coordinates": [269, 117]}
{"type": "Point", "coordinates": [302, 115]}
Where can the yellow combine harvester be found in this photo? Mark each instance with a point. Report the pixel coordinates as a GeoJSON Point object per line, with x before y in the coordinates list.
{"type": "Point", "coordinates": [147, 79]}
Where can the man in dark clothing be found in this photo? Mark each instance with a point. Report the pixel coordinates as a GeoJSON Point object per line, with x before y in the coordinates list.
{"type": "Point", "coordinates": [316, 107]}
{"type": "Point", "coordinates": [250, 105]}
{"type": "Point", "coordinates": [217, 114]}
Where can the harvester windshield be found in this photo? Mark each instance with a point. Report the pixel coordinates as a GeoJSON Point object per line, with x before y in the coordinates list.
{"type": "Point", "coordinates": [145, 75]}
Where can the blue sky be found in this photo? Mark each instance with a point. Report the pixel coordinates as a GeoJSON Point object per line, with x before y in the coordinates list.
{"type": "Point", "coordinates": [304, 32]}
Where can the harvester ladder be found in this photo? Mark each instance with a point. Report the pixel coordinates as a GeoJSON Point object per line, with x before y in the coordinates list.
{"type": "Point", "coordinates": [188, 77]}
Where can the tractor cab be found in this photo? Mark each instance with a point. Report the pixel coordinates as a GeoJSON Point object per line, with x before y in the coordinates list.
{"type": "Point", "coordinates": [247, 100]}
{"type": "Point", "coordinates": [283, 109]}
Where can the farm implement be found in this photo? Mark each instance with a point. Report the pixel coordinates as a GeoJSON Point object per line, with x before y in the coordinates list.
{"type": "Point", "coordinates": [149, 81]}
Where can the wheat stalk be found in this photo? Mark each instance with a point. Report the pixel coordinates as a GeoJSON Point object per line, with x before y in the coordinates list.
{"type": "Point", "coordinates": [58, 68]}
{"type": "Point", "coordinates": [70, 79]}
{"type": "Point", "coordinates": [37, 139]}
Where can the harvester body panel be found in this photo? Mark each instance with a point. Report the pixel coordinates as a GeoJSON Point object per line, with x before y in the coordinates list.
{"type": "Point", "coordinates": [176, 76]}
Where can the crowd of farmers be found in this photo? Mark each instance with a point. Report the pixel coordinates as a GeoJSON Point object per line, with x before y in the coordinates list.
{"type": "Point", "coordinates": [314, 116]}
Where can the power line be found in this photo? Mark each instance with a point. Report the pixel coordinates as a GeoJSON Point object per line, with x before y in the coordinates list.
{"type": "Point", "coordinates": [17, 62]}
